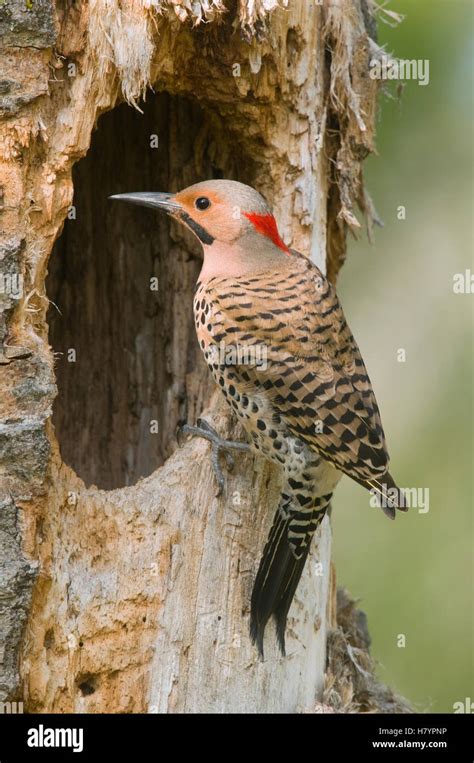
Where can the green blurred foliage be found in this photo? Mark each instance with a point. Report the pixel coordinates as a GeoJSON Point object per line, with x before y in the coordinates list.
{"type": "Point", "coordinates": [414, 575]}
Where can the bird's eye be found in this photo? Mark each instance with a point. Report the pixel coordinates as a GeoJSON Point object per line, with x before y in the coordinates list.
{"type": "Point", "coordinates": [202, 203]}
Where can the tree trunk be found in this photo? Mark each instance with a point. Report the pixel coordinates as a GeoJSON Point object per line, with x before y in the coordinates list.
{"type": "Point", "coordinates": [125, 581]}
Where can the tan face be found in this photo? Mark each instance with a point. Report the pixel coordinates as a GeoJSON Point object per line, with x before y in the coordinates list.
{"type": "Point", "coordinates": [208, 213]}
{"type": "Point", "coordinates": [221, 211]}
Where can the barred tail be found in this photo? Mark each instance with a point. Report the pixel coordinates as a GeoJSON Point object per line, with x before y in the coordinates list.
{"type": "Point", "coordinates": [280, 569]}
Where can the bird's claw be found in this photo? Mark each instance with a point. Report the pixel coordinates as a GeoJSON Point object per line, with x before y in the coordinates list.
{"type": "Point", "coordinates": [218, 446]}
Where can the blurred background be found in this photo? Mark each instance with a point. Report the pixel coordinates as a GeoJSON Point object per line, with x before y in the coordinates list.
{"type": "Point", "coordinates": [414, 575]}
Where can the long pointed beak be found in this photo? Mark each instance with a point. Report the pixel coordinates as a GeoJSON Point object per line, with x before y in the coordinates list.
{"type": "Point", "coordinates": [164, 201]}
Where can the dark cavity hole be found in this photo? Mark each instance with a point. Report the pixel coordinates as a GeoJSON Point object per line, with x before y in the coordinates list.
{"type": "Point", "coordinates": [127, 357]}
{"type": "Point", "coordinates": [87, 685]}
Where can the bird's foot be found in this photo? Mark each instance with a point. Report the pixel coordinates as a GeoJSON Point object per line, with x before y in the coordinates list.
{"type": "Point", "coordinates": [218, 446]}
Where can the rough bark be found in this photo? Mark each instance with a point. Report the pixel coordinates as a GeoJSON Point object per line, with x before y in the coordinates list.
{"type": "Point", "coordinates": [125, 582]}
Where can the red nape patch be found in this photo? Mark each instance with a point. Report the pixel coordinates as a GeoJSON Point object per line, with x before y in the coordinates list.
{"type": "Point", "coordinates": [266, 225]}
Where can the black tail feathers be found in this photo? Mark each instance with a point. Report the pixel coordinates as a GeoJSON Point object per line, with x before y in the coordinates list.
{"type": "Point", "coordinates": [388, 495]}
{"type": "Point", "coordinates": [277, 579]}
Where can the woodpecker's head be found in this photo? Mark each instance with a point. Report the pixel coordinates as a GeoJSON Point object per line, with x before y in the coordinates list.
{"type": "Point", "coordinates": [232, 221]}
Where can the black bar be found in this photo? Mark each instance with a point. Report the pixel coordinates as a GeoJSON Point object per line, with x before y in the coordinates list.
{"type": "Point", "coordinates": [156, 737]}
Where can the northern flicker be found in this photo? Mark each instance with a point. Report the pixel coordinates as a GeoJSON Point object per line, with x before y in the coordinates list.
{"type": "Point", "coordinates": [299, 386]}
